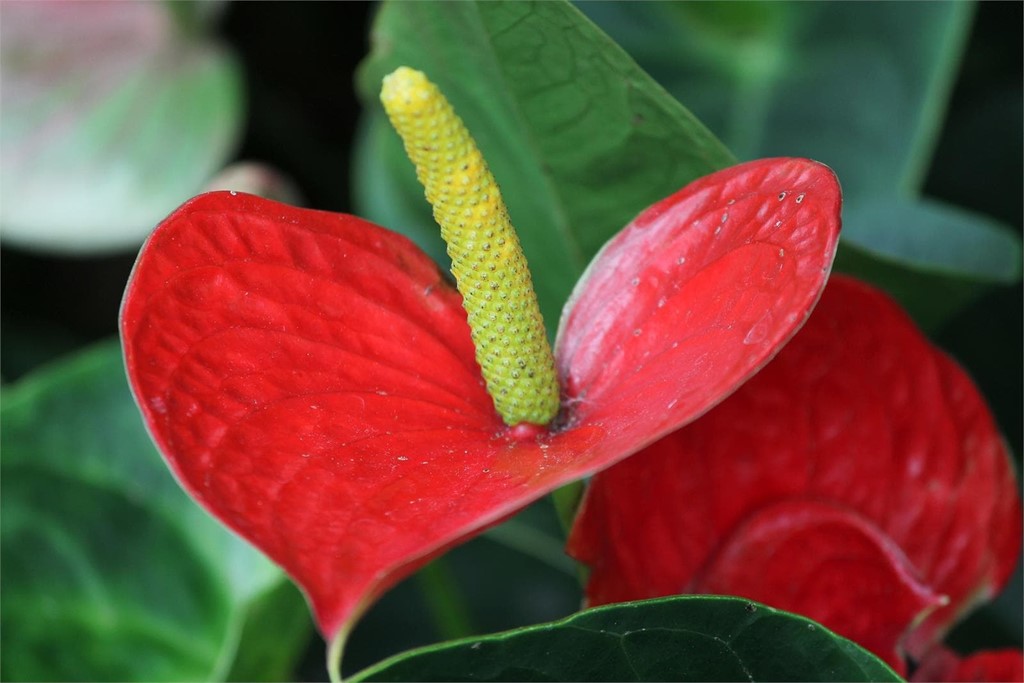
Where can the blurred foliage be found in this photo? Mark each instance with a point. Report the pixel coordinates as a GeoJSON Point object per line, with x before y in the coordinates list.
{"type": "Point", "coordinates": [110, 571]}
{"type": "Point", "coordinates": [113, 115]}
{"type": "Point", "coordinates": [849, 85]}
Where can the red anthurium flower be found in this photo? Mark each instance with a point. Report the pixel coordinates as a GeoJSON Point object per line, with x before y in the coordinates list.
{"type": "Point", "coordinates": [311, 379]}
{"type": "Point", "coordinates": [858, 479]}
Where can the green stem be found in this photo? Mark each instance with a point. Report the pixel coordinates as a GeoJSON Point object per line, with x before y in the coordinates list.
{"type": "Point", "coordinates": [334, 651]}
{"type": "Point", "coordinates": [567, 501]}
{"type": "Point", "coordinates": [445, 601]}
{"type": "Point", "coordinates": [543, 547]}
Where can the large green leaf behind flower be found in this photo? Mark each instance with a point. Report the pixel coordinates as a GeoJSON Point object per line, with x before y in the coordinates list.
{"type": "Point", "coordinates": [579, 138]}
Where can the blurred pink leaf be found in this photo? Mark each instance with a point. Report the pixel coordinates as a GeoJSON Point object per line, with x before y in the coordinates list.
{"type": "Point", "coordinates": [112, 116]}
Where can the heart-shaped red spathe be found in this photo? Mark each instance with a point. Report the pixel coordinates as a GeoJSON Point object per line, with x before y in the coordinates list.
{"type": "Point", "coordinates": [859, 414]}
{"type": "Point", "coordinates": [311, 379]}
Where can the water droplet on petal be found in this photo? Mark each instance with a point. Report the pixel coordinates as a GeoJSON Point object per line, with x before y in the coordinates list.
{"type": "Point", "coordinates": [757, 333]}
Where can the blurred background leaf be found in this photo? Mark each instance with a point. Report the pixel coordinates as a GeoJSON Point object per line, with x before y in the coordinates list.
{"type": "Point", "coordinates": [862, 88]}
{"type": "Point", "coordinates": [111, 572]}
{"type": "Point", "coordinates": [113, 115]}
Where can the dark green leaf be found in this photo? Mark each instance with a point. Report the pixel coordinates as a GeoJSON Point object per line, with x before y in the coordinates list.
{"type": "Point", "coordinates": [579, 138]}
{"type": "Point", "coordinates": [105, 559]}
{"type": "Point", "coordinates": [683, 638]}
{"type": "Point", "coordinates": [860, 87]}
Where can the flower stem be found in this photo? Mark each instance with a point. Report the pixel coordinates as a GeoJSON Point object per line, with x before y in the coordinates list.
{"type": "Point", "coordinates": [445, 601]}
{"type": "Point", "coordinates": [334, 650]}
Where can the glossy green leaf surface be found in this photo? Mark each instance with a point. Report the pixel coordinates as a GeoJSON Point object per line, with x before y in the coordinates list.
{"type": "Point", "coordinates": [112, 117]}
{"type": "Point", "coordinates": [579, 138]}
{"type": "Point", "coordinates": [683, 638]}
{"type": "Point", "coordinates": [105, 560]}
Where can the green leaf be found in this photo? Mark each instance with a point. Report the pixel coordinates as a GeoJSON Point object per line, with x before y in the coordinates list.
{"type": "Point", "coordinates": [104, 557]}
{"type": "Point", "coordinates": [931, 236]}
{"type": "Point", "coordinates": [579, 138]}
{"type": "Point", "coordinates": [934, 258]}
{"type": "Point", "coordinates": [860, 87]}
{"type": "Point", "coordinates": [682, 638]}
{"type": "Point", "coordinates": [112, 118]}
{"type": "Point", "coordinates": [275, 634]}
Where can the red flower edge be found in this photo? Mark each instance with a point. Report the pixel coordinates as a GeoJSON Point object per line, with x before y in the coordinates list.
{"type": "Point", "coordinates": [856, 479]}
{"type": "Point", "coordinates": [942, 664]}
{"type": "Point", "coordinates": [311, 380]}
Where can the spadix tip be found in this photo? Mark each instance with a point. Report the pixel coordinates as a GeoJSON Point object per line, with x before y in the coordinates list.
{"type": "Point", "coordinates": [406, 89]}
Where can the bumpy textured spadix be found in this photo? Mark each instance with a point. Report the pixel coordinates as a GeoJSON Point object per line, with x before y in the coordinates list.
{"type": "Point", "coordinates": [489, 266]}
